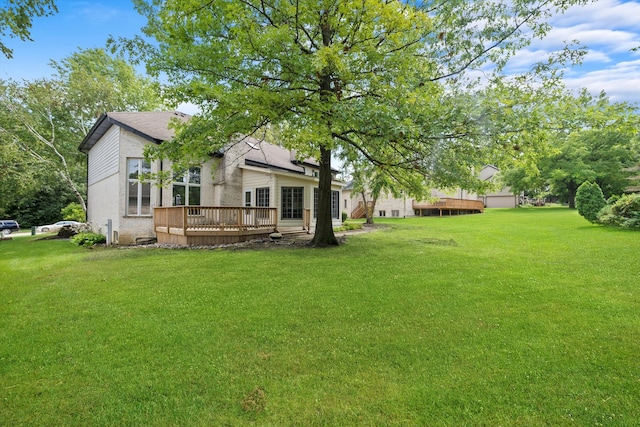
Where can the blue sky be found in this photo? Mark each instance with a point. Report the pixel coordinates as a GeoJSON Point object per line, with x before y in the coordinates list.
{"type": "Point", "coordinates": [609, 28]}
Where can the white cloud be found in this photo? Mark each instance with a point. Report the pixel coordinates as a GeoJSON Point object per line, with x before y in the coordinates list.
{"type": "Point", "coordinates": [609, 29]}
{"type": "Point", "coordinates": [602, 14]}
{"type": "Point", "coordinates": [621, 81]}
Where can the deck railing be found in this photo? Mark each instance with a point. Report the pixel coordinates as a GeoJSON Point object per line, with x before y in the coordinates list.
{"type": "Point", "coordinates": [451, 204]}
{"type": "Point", "coordinates": [183, 219]}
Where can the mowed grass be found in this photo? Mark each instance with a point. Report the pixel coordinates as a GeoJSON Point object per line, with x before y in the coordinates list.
{"type": "Point", "coordinates": [515, 318]}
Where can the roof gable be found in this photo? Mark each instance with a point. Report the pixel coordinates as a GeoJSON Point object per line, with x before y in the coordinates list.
{"type": "Point", "coordinates": [152, 126]}
{"type": "Point", "coordinates": [262, 153]}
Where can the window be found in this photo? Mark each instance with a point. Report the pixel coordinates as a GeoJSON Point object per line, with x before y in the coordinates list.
{"type": "Point", "coordinates": [335, 203]}
{"type": "Point", "coordinates": [315, 202]}
{"type": "Point", "coordinates": [262, 197]}
{"type": "Point", "coordinates": [345, 203]}
{"type": "Point", "coordinates": [395, 213]}
{"type": "Point", "coordinates": [138, 192]}
{"type": "Point", "coordinates": [382, 213]}
{"type": "Point", "coordinates": [186, 187]}
{"type": "Point", "coordinates": [292, 202]}
{"type": "Point", "coordinates": [247, 199]}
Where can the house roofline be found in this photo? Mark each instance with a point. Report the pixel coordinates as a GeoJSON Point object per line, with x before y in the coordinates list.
{"type": "Point", "coordinates": [269, 169]}
{"type": "Point", "coordinates": [268, 166]}
{"type": "Point", "coordinates": [101, 126]}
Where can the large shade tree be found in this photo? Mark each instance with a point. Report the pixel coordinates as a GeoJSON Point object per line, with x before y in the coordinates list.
{"type": "Point", "coordinates": [391, 82]}
{"type": "Point", "coordinates": [43, 121]}
{"type": "Point", "coordinates": [595, 140]}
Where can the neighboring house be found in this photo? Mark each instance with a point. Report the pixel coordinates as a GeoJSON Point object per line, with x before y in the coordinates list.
{"type": "Point", "coordinates": [457, 201]}
{"type": "Point", "coordinates": [503, 198]}
{"type": "Point", "coordinates": [249, 188]}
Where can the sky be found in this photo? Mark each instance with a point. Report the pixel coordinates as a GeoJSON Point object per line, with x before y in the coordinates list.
{"type": "Point", "coordinates": [608, 28]}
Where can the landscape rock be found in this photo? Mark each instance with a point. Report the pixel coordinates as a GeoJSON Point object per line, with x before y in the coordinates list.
{"type": "Point", "coordinates": [145, 240]}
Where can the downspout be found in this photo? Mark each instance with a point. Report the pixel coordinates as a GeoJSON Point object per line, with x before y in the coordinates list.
{"type": "Point", "coordinates": [162, 186]}
{"type": "Point", "coordinates": [86, 213]}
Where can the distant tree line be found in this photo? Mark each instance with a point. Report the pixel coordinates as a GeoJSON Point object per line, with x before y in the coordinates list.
{"type": "Point", "coordinates": [43, 121]}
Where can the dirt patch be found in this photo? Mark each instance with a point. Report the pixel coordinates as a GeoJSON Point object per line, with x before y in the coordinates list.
{"type": "Point", "coordinates": [255, 400]}
{"type": "Point", "coordinates": [292, 241]}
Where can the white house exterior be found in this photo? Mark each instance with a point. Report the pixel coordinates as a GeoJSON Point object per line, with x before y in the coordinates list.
{"type": "Point", "coordinates": [503, 198]}
{"type": "Point", "coordinates": [402, 207]}
{"type": "Point", "coordinates": [247, 173]}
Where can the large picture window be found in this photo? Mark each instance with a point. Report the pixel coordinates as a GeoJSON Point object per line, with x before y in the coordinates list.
{"type": "Point", "coordinates": [292, 202]}
{"type": "Point", "coordinates": [186, 187]}
{"type": "Point", "coordinates": [335, 203]}
{"type": "Point", "coordinates": [138, 191]}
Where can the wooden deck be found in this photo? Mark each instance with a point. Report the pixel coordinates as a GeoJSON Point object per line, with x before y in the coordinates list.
{"type": "Point", "coordinates": [209, 225]}
{"type": "Point", "coordinates": [449, 205]}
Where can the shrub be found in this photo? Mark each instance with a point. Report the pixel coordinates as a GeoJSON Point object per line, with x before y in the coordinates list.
{"type": "Point", "coordinates": [344, 216]}
{"type": "Point", "coordinates": [88, 239]}
{"type": "Point", "coordinates": [611, 200]}
{"type": "Point", "coordinates": [627, 209]}
{"type": "Point", "coordinates": [73, 212]}
{"type": "Point", "coordinates": [606, 217]}
{"type": "Point", "coordinates": [590, 200]}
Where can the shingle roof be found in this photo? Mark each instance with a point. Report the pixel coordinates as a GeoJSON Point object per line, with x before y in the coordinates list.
{"type": "Point", "coordinates": [262, 153]}
{"type": "Point", "coordinates": [150, 125]}
{"type": "Point", "coordinates": [154, 127]}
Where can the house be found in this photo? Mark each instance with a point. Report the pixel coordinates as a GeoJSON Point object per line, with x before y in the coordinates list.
{"type": "Point", "coordinates": [502, 198]}
{"type": "Point", "coordinates": [443, 202]}
{"type": "Point", "coordinates": [250, 188]}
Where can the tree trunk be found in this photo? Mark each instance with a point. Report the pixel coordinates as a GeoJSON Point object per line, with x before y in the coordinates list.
{"type": "Point", "coordinates": [369, 209]}
{"type": "Point", "coordinates": [324, 235]}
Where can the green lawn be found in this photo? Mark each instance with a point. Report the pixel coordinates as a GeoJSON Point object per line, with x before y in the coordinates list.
{"type": "Point", "coordinates": [524, 317]}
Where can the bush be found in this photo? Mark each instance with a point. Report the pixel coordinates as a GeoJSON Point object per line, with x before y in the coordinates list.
{"type": "Point", "coordinates": [611, 200]}
{"type": "Point", "coordinates": [73, 212]}
{"type": "Point", "coordinates": [627, 209]}
{"type": "Point", "coordinates": [344, 216]}
{"type": "Point", "coordinates": [88, 239]}
{"type": "Point", "coordinates": [606, 217]}
{"type": "Point", "coordinates": [625, 212]}
{"type": "Point", "coordinates": [590, 200]}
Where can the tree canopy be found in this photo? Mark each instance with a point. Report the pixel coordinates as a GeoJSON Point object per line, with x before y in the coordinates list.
{"type": "Point", "coordinates": [413, 87]}
{"type": "Point", "coordinates": [16, 17]}
{"type": "Point", "coordinates": [43, 121]}
{"type": "Point", "coordinates": [595, 141]}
